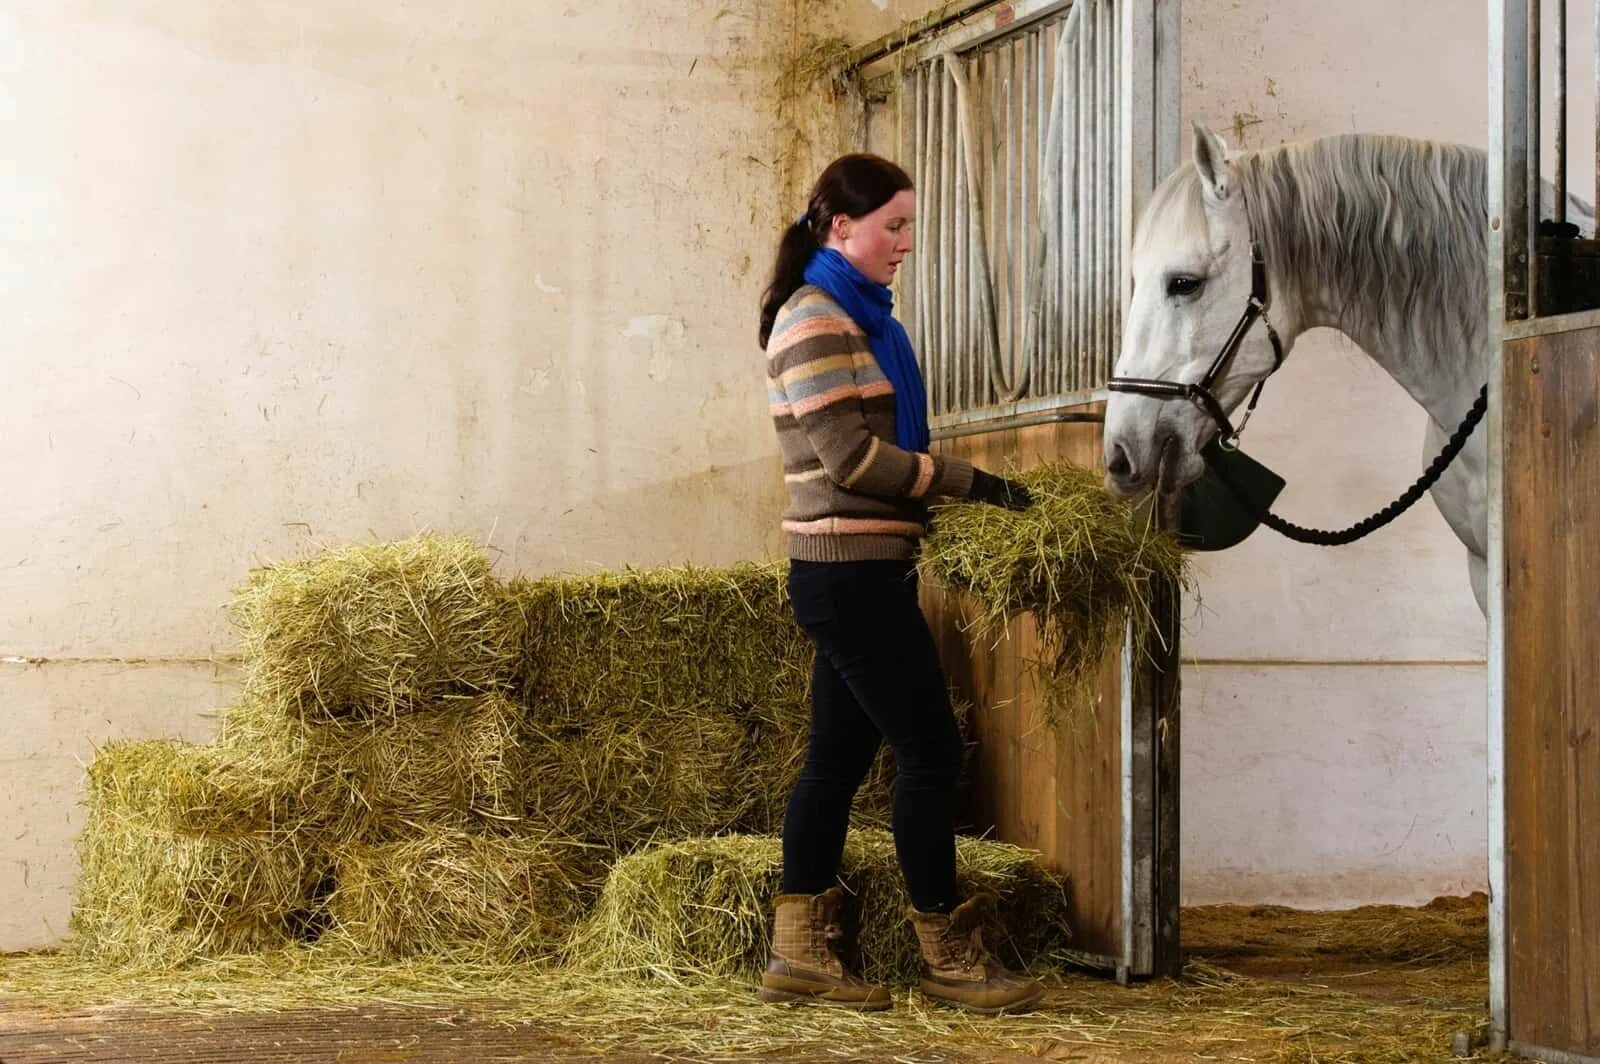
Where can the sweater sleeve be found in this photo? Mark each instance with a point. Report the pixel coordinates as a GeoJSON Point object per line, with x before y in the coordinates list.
{"type": "Point", "coordinates": [812, 363]}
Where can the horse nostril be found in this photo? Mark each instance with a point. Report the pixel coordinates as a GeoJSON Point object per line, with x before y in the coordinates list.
{"type": "Point", "coordinates": [1118, 465]}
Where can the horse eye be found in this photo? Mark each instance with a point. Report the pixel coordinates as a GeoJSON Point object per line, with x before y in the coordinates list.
{"type": "Point", "coordinates": [1184, 287]}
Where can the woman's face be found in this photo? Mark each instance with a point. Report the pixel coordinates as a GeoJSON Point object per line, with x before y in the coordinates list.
{"type": "Point", "coordinates": [876, 243]}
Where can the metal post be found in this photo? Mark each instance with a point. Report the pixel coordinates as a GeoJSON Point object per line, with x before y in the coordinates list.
{"type": "Point", "coordinates": [1533, 176]}
{"type": "Point", "coordinates": [1508, 300]}
{"type": "Point", "coordinates": [1561, 112]}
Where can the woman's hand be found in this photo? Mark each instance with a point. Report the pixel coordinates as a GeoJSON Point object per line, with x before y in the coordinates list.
{"type": "Point", "coordinates": [998, 491]}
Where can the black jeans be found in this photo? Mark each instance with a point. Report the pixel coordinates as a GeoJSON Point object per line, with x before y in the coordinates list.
{"type": "Point", "coordinates": [876, 677]}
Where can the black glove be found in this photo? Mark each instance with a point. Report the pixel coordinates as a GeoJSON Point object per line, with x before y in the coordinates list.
{"type": "Point", "coordinates": [998, 491]}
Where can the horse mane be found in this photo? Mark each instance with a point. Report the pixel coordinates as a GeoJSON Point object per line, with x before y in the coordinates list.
{"type": "Point", "coordinates": [1394, 227]}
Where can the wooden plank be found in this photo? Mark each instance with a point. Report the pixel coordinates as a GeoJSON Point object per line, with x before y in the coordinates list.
{"type": "Point", "coordinates": [1058, 791]}
{"type": "Point", "coordinates": [1552, 690]}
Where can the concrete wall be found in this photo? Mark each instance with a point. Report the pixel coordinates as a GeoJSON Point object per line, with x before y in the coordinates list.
{"type": "Point", "coordinates": [284, 274]}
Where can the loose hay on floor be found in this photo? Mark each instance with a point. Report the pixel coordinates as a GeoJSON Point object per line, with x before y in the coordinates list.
{"type": "Point", "coordinates": [1208, 1014]}
{"type": "Point", "coordinates": [377, 629]}
{"type": "Point", "coordinates": [685, 912]}
{"type": "Point", "coordinates": [1080, 562]}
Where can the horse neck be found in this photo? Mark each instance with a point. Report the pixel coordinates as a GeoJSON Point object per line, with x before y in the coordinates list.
{"type": "Point", "coordinates": [1426, 329]}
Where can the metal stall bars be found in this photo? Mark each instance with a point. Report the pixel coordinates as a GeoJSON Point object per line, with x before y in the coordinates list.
{"type": "Point", "coordinates": [1013, 134]}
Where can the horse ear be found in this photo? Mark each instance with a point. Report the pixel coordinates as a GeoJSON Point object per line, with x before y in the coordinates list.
{"type": "Point", "coordinates": [1211, 160]}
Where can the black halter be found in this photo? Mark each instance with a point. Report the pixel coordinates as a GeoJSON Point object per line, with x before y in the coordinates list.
{"type": "Point", "coordinates": [1201, 392]}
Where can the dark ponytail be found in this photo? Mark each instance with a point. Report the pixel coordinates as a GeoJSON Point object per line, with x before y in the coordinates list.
{"type": "Point", "coordinates": [852, 185]}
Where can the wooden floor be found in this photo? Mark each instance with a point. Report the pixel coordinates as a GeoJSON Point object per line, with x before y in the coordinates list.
{"type": "Point", "coordinates": [365, 1036]}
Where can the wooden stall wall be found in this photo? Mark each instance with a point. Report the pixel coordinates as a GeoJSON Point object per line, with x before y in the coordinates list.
{"type": "Point", "coordinates": [1057, 790]}
{"type": "Point", "coordinates": [1552, 690]}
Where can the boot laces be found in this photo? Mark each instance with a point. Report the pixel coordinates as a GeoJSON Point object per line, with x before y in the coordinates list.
{"type": "Point", "coordinates": [965, 946]}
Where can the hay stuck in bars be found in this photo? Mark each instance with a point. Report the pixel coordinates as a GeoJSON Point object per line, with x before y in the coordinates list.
{"type": "Point", "coordinates": [450, 894]}
{"type": "Point", "coordinates": [1081, 563]}
{"type": "Point", "coordinates": [700, 909]}
{"type": "Point", "coordinates": [376, 629]}
{"type": "Point", "coordinates": [461, 762]}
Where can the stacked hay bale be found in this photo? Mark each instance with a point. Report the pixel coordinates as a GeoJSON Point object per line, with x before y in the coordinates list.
{"type": "Point", "coordinates": [671, 702]}
{"type": "Point", "coordinates": [189, 853]}
{"type": "Point", "coordinates": [427, 761]}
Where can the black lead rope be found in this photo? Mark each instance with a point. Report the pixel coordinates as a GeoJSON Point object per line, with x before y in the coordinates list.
{"type": "Point", "coordinates": [1325, 538]}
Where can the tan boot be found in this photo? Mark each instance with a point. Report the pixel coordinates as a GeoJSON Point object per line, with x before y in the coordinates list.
{"type": "Point", "coordinates": [805, 964]}
{"type": "Point", "coordinates": [959, 970]}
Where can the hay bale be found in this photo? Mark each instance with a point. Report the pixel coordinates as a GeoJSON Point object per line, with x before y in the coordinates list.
{"type": "Point", "coordinates": [377, 629]}
{"type": "Point", "coordinates": [1079, 561]}
{"type": "Point", "coordinates": [632, 642]}
{"type": "Point", "coordinates": [701, 908]}
{"type": "Point", "coordinates": [619, 783]}
{"type": "Point", "coordinates": [155, 889]}
{"type": "Point", "coordinates": [674, 774]}
{"type": "Point", "coordinates": [195, 790]}
{"type": "Point", "coordinates": [455, 895]}
{"type": "Point", "coordinates": [461, 762]}
{"type": "Point", "coordinates": [676, 700]}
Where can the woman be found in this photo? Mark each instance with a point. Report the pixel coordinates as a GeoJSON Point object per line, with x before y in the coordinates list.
{"type": "Point", "coordinates": [852, 422]}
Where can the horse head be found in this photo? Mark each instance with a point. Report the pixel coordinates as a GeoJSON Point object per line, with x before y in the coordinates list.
{"type": "Point", "coordinates": [1193, 277]}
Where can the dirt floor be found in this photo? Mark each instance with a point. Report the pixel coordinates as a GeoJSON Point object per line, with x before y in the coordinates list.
{"type": "Point", "coordinates": [1261, 983]}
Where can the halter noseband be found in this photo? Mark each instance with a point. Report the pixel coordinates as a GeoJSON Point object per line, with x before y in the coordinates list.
{"type": "Point", "coordinates": [1201, 392]}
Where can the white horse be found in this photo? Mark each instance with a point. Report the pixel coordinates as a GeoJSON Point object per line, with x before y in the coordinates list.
{"type": "Point", "coordinates": [1382, 238]}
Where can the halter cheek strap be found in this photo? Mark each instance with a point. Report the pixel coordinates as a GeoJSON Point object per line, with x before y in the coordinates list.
{"type": "Point", "coordinates": [1203, 392]}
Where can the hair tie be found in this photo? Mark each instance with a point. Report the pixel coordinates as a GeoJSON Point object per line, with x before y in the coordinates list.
{"type": "Point", "coordinates": [804, 219]}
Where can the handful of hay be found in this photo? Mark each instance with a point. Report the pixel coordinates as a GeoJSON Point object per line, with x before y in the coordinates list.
{"type": "Point", "coordinates": [685, 911]}
{"type": "Point", "coordinates": [1082, 563]}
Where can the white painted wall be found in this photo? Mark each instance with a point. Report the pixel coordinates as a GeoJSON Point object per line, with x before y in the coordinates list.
{"type": "Point", "coordinates": [283, 274]}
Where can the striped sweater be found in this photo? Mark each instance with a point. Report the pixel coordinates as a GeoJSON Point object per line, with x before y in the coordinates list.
{"type": "Point", "coordinates": [853, 495]}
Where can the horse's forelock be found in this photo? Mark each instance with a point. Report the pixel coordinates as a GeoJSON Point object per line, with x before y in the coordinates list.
{"type": "Point", "coordinates": [1176, 212]}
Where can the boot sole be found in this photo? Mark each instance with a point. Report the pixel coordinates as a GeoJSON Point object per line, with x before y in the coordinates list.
{"type": "Point", "coordinates": [791, 997]}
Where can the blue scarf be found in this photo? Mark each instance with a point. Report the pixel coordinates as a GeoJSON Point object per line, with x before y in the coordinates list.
{"type": "Point", "coordinates": [869, 306]}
